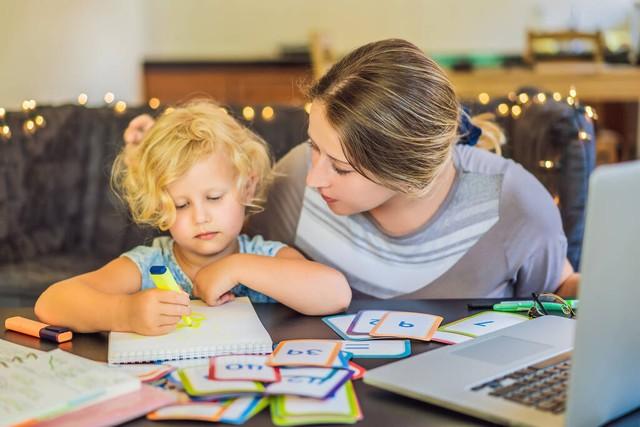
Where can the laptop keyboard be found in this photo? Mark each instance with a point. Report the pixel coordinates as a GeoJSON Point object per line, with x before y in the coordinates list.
{"type": "Point", "coordinates": [542, 386]}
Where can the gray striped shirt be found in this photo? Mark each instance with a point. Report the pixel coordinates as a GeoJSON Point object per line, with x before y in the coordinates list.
{"type": "Point", "coordinates": [497, 234]}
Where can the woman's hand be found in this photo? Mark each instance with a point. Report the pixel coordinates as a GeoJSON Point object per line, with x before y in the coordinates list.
{"type": "Point", "coordinates": [155, 311]}
{"type": "Point", "coordinates": [135, 132]}
{"type": "Point", "coordinates": [214, 282]}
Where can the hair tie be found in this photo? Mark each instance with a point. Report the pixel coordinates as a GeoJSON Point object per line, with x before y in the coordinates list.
{"type": "Point", "coordinates": [469, 133]}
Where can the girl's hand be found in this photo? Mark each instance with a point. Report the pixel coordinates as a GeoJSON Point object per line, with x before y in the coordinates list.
{"type": "Point", "coordinates": [156, 312]}
{"type": "Point", "coordinates": [133, 135]}
{"type": "Point", "coordinates": [213, 282]}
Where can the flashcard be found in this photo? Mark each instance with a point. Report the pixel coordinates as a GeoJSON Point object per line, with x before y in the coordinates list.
{"type": "Point", "coordinates": [343, 407]}
{"type": "Point", "coordinates": [239, 410]}
{"type": "Point", "coordinates": [208, 411]}
{"type": "Point", "coordinates": [449, 337]}
{"type": "Point", "coordinates": [364, 321]}
{"type": "Point", "coordinates": [378, 349]}
{"type": "Point", "coordinates": [322, 353]}
{"type": "Point", "coordinates": [340, 323]}
{"type": "Point", "coordinates": [146, 372]}
{"type": "Point", "coordinates": [403, 324]}
{"type": "Point", "coordinates": [318, 383]}
{"type": "Point", "coordinates": [358, 371]}
{"type": "Point", "coordinates": [484, 323]}
{"type": "Point", "coordinates": [242, 367]}
{"type": "Point", "coordinates": [197, 383]}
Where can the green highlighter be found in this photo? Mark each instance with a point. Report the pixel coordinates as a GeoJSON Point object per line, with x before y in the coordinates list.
{"type": "Point", "coordinates": [526, 305]}
{"type": "Point", "coordinates": [163, 279]}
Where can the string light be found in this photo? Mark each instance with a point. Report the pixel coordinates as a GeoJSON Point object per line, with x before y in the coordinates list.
{"type": "Point", "coordinates": [154, 103]}
{"type": "Point", "coordinates": [32, 104]}
{"type": "Point", "coordinates": [546, 164]}
{"type": "Point", "coordinates": [570, 100]}
{"type": "Point", "coordinates": [29, 126]}
{"type": "Point", "coordinates": [40, 121]}
{"type": "Point", "coordinates": [120, 107]}
{"type": "Point", "coordinates": [556, 199]}
{"type": "Point", "coordinates": [307, 107]}
{"type": "Point", "coordinates": [484, 98]}
{"type": "Point", "coordinates": [267, 113]}
{"type": "Point", "coordinates": [523, 98]}
{"type": "Point", "coordinates": [248, 113]}
{"type": "Point", "coordinates": [2, 113]}
{"type": "Point", "coordinates": [503, 109]}
{"type": "Point", "coordinates": [25, 105]}
{"type": "Point", "coordinates": [5, 131]}
{"type": "Point", "coordinates": [572, 92]}
{"type": "Point", "coordinates": [589, 111]}
{"type": "Point", "coordinates": [83, 99]}
{"type": "Point", "coordinates": [541, 98]}
{"type": "Point", "coordinates": [557, 96]}
{"type": "Point", "coordinates": [109, 97]}
{"type": "Point", "coordinates": [512, 96]}
{"type": "Point", "coordinates": [516, 110]}
{"type": "Point", "coordinates": [583, 135]}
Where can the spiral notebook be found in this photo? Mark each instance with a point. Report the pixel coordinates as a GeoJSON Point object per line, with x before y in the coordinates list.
{"type": "Point", "coordinates": [231, 328]}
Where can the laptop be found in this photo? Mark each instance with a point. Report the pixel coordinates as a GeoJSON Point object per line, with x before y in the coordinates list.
{"type": "Point", "coordinates": [534, 373]}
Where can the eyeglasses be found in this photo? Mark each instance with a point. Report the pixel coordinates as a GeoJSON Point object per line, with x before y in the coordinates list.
{"type": "Point", "coordinates": [540, 300]}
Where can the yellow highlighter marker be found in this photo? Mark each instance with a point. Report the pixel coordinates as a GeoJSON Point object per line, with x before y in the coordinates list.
{"type": "Point", "coordinates": [163, 279]}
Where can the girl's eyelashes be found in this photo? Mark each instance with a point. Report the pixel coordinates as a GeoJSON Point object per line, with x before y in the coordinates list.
{"type": "Point", "coordinates": [313, 146]}
{"type": "Point", "coordinates": [182, 206]}
{"type": "Point", "coordinates": [214, 198]}
{"type": "Point", "coordinates": [341, 171]}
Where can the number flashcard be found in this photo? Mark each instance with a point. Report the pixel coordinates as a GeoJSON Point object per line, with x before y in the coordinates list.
{"type": "Point", "coordinates": [364, 321]}
{"type": "Point", "coordinates": [242, 367]}
{"type": "Point", "coordinates": [319, 383]}
{"type": "Point", "coordinates": [321, 353]}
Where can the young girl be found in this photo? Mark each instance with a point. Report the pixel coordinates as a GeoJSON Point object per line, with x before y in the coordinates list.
{"type": "Point", "coordinates": [198, 173]}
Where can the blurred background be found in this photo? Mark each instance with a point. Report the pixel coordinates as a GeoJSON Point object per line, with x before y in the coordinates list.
{"type": "Point", "coordinates": [251, 51]}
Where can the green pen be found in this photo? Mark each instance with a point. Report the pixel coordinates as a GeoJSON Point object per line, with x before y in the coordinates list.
{"type": "Point", "coordinates": [526, 305]}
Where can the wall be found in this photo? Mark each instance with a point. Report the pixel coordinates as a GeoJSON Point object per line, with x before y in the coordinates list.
{"type": "Point", "coordinates": [52, 51]}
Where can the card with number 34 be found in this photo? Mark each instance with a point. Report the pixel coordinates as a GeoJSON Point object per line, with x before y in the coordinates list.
{"type": "Point", "coordinates": [401, 324]}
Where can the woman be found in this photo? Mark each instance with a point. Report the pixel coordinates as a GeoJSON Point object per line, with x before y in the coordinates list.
{"type": "Point", "coordinates": [393, 201]}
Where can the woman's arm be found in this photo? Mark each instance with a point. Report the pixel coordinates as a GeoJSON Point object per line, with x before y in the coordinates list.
{"type": "Point", "coordinates": [108, 300]}
{"type": "Point", "coordinates": [308, 287]}
{"type": "Point", "coordinates": [569, 281]}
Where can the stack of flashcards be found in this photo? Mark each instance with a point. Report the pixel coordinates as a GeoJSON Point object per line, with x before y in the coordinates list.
{"type": "Point", "coordinates": [305, 381]}
{"type": "Point", "coordinates": [375, 324]}
{"type": "Point", "coordinates": [478, 324]}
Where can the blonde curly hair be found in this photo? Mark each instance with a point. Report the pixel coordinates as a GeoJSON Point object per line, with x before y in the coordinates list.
{"type": "Point", "coordinates": [179, 139]}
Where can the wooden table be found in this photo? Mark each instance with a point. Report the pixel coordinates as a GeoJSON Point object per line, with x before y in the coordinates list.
{"type": "Point", "coordinates": [380, 408]}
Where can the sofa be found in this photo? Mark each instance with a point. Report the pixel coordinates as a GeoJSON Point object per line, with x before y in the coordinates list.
{"type": "Point", "coordinates": [59, 217]}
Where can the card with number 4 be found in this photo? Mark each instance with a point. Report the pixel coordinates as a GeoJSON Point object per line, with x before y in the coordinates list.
{"type": "Point", "coordinates": [400, 324]}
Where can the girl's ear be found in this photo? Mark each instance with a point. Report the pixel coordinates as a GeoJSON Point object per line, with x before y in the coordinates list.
{"type": "Point", "coordinates": [250, 188]}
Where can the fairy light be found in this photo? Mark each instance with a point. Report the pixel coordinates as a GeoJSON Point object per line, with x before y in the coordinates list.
{"type": "Point", "coordinates": [572, 92]}
{"type": "Point", "coordinates": [512, 96]}
{"type": "Point", "coordinates": [546, 164]}
{"type": "Point", "coordinates": [523, 98]}
{"type": "Point", "coordinates": [516, 110]}
{"type": "Point", "coordinates": [268, 113]}
{"type": "Point", "coordinates": [3, 112]}
{"type": "Point", "coordinates": [307, 107]}
{"type": "Point", "coordinates": [484, 98]}
{"type": "Point", "coordinates": [120, 107]}
{"type": "Point", "coordinates": [154, 103]}
{"type": "Point", "coordinates": [25, 105]}
{"type": "Point", "coordinates": [570, 100]}
{"type": "Point", "coordinates": [557, 96]}
{"type": "Point", "coordinates": [248, 113]}
{"type": "Point", "coordinates": [109, 97]}
{"type": "Point", "coordinates": [5, 132]}
{"type": "Point", "coordinates": [583, 135]}
{"type": "Point", "coordinates": [32, 104]}
{"type": "Point", "coordinates": [503, 109]}
{"type": "Point", "coordinates": [541, 98]}
{"type": "Point", "coordinates": [29, 126]}
{"type": "Point", "coordinates": [40, 121]}
{"type": "Point", "coordinates": [83, 99]}
{"type": "Point", "coordinates": [589, 111]}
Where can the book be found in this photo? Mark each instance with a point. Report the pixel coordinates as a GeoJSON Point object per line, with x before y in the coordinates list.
{"type": "Point", "coordinates": [39, 385]}
{"type": "Point", "coordinates": [231, 328]}
{"type": "Point", "coordinates": [117, 410]}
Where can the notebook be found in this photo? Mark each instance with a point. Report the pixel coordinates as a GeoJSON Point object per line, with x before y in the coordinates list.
{"type": "Point", "coordinates": [36, 385]}
{"type": "Point", "coordinates": [231, 328]}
